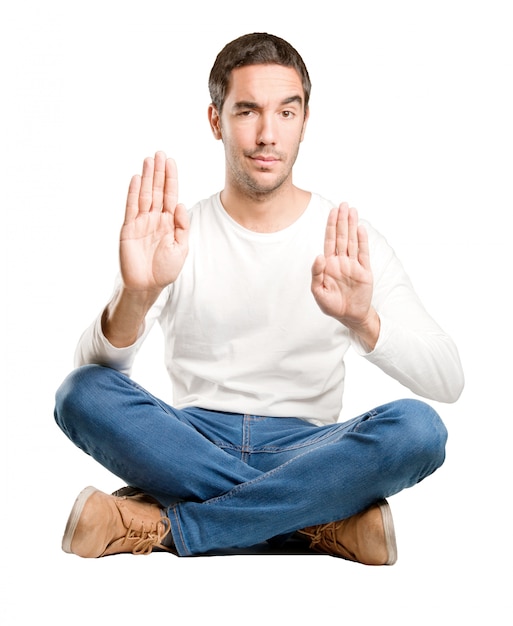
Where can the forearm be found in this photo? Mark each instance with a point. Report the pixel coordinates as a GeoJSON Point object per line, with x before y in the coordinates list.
{"type": "Point", "coordinates": [94, 347]}
{"type": "Point", "coordinates": [124, 316]}
{"type": "Point", "coordinates": [426, 362]}
{"type": "Point", "coordinates": [412, 347]}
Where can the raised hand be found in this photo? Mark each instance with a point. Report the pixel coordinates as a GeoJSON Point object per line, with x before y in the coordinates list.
{"type": "Point", "coordinates": [342, 281]}
{"type": "Point", "coordinates": [154, 236]}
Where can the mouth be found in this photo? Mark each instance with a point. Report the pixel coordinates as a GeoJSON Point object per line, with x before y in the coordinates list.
{"type": "Point", "coordinates": [264, 160]}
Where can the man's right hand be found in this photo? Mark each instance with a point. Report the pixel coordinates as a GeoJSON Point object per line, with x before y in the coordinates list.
{"type": "Point", "coordinates": [154, 236]}
{"type": "Point", "coordinates": [153, 248]}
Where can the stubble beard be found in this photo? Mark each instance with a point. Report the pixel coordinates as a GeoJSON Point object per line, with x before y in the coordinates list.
{"type": "Point", "coordinates": [259, 190]}
{"type": "Point", "coordinates": [255, 189]}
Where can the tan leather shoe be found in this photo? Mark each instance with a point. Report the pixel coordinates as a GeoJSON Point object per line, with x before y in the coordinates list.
{"type": "Point", "coordinates": [366, 537]}
{"type": "Point", "coordinates": [100, 524]}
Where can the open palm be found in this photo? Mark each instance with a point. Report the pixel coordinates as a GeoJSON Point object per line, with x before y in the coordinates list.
{"type": "Point", "coordinates": [154, 236]}
{"type": "Point", "coordinates": [342, 281]}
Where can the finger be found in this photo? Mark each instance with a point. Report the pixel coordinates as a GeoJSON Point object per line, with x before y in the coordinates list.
{"type": "Point", "coordinates": [171, 186]}
{"type": "Point", "coordinates": [146, 191]}
{"type": "Point", "coordinates": [363, 248]}
{"type": "Point", "coordinates": [352, 233]}
{"type": "Point", "coordinates": [342, 229]}
{"type": "Point", "coordinates": [330, 238]}
{"type": "Point", "coordinates": [159, 177]}
{"type": "Point", "coordinates": [181, 224]}
{"type": "Point", "coordinates": [132, 199]}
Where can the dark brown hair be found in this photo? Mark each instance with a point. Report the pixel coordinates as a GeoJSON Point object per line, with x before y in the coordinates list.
{"type": "Point", "coordinates": [254, 49]}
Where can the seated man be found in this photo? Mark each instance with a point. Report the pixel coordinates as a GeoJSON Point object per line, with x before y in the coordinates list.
{"type": "Point", "coordinates": [260, 290]}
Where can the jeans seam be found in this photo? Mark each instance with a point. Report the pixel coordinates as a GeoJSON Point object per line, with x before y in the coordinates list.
{"type": "Point", "coordinates": [306, 444]}
{"type": "Point", "coordinates": [173, 511]}
{"type": "Point", "coordinates": [166, 408]}
{"type": "Point", "coordinates": [246, 439]}
{"type": "Point", "coordinates": [264, 476]}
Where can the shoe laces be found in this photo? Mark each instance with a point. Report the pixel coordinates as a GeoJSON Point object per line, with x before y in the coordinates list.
{"type": "Point", "coordinates": [323, 534]}
{"type": "Point", "coordinates": [146, 540]}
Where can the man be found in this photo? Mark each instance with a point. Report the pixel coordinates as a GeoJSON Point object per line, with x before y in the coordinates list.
{"type": "Point", "coordinates": [260, 290]}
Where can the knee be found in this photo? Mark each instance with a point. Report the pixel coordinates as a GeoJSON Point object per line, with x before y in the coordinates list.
{"type": "Point", "coordinates": [424, 432]}
{"type": "Point", "coordinates": [78, 394]}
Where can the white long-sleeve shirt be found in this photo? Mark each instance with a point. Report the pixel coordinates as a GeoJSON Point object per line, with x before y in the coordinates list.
{"type": "Point", "coordinates": [244, 334]}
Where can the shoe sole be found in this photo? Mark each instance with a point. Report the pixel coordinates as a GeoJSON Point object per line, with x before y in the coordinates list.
{"type": "Point", "coordinates": [388, 527]}
{"type": "Point", "coordinates": [74, 517]}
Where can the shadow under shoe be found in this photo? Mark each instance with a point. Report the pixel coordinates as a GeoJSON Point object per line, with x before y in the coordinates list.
{"type": "Point", "coordinates": [367, 537]}
{"type": "Point", "coordinates": [100, 524]}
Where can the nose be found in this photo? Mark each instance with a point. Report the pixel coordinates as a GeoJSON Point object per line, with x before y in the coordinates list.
{"type": "Point", "coordinates": [266, 129]}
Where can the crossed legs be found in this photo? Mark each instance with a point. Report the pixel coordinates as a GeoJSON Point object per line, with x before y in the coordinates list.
{"type": "Point", "coordinates": [228, 480]}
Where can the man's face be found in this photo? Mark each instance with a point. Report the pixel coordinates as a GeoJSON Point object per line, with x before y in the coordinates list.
{"type": "Point", "coordinates": [262, 124]}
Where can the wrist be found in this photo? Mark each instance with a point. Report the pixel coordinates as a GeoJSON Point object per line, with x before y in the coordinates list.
{"type": "Point", "coordinates": [368, 329]}
{"type": "Point", "coordinates": [124, 316]}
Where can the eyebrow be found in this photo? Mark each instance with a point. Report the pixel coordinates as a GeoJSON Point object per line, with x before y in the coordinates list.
{"type": "Point", "coordinates": [248, 104]}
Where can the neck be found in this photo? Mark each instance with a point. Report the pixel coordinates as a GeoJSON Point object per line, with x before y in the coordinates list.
{"type": "Point", "coordinates": [265, 212]}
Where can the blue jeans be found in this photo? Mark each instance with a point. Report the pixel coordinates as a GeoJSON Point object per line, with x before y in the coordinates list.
{"type": "Point", "coordinates": [232, 481]}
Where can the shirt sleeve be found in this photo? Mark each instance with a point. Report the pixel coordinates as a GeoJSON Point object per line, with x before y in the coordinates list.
{"type": "Point", "coordinates": [94, 348]}
{"type": "Point", "coordinates": [412, 348]}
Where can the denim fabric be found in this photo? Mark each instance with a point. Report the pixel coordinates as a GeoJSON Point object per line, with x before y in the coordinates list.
{"type": "Point", "coordinates": [232, 480]}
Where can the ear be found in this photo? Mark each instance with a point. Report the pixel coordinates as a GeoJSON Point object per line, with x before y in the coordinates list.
{"type": "Point", "coordinates": [215, 121]}
{"type": "Point", "coordinates": [307, 115]}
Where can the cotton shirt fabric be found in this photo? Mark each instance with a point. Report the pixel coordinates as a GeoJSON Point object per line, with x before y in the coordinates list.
{"type": "Point", "coordinates": [244, 334]}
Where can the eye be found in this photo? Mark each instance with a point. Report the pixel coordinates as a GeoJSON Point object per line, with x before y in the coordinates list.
{"type": "Point", "coordinates": [287, 114]}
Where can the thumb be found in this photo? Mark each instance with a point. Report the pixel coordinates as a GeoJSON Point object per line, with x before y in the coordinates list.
{"type": "Point", "coordinates": [318, 268]}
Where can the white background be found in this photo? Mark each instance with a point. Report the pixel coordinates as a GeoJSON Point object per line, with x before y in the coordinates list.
{"type": "Point", "coordinates": [411, 122]}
